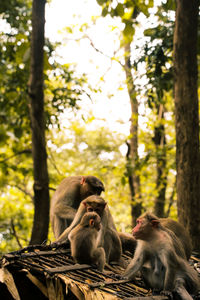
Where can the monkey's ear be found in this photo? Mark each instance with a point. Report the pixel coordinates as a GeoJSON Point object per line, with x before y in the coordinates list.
{"type": "Point", "coordinates": [83, 180]}
{"type": "Point", "coordinates": [91, 222]}
{"type": "Point", "coordinates": [155, 223]}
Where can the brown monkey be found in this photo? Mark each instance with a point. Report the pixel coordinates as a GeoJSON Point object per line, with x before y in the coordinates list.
{"type": "Point", "coordinates": [109, 238]}
{"type": "Point", "coordinates": [180, 232]}
{"type": "Point", "coordinates": [84, 241]}
{"type": "Point", "coordinates": [129, 242]}
{"type": "Point", "coordinates": [67, 197]}
{"type": "Point", "coordinates": [156, 246]}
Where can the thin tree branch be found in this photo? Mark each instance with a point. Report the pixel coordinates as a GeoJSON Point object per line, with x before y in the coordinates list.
{"type": "Point", "coordinates": [24, 190]}
{"type": "Point", "coordinates": [14, 233]}
{"type": "Point", "coordinates": [27, 151]}
{"type": "Point", "coordinates": [52, 160]}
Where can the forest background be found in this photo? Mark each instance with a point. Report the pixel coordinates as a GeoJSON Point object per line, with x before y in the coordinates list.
{"type": "Point", "coordinates": [60, 118]}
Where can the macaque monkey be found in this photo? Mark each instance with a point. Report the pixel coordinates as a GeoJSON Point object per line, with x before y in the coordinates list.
{"type": "Point", "coordinates": [84, 241]}
{"type": "Point", "coordinates": [129, 242]}
{"type": "Point", "coordinates": [67, 197]}
{"type": "Point", "coordinates": [157, 246]}
{"type": "Point", "coordinates": [181, 233]}
{"type": "Point", "coordinates": [109, 238]}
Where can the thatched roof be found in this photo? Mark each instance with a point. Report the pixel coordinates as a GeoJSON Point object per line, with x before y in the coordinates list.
{"type": "Point", "coordinates": [43, 272]}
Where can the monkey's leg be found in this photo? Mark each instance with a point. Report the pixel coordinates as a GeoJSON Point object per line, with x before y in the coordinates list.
{"type": "Point", "coordinates": [180, 289]}
{"type": "Point", "coordinates": [58, 226]}
{"type": "Point", "coordinates": [99, 258]}
{"type": "Point", "coordinates": [135, 264]}
{"type": "Point", "coordinates": [112, 246]}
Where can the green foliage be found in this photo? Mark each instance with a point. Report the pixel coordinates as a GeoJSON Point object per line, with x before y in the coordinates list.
{"type": "Point", "coordinates": [16, 214]}
{"type": "Point", "coordinates": [79, 148]}
{"type": "Point", "coordinates": [63, 88]}
{"type": "Point", "coordinates": [148, 160]}
{"type": "Point", "coordinates": [169, 5]}
{"type": "Point", "coordinates": [14, 10]}
{"type": "Point", "coordinates": [158, 59]}
{"type": "Point", "coordinates": [128, 11]}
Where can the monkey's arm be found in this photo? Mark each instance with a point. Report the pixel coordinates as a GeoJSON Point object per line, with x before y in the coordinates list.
{"type": "Point", "coordinates": [180, 289]}
{"type": "Point", "coordinates": [136, 263]}
{"type": "Point", "coordinates": [110, 220]}
{"type": "Point", "coordinates": [168, 260]}
{"type": "Point", "coordinates": [61, 218]}
{"type": "Point", "coordinates": [64, 236]}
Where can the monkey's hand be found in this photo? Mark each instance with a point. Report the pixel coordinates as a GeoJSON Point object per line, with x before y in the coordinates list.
{"type": "Point", "coordinates": [120, 277]}
{"type": "Point", "coordinates": [54, 245]}
{"type": "Point", "coordinates": [125, 277]}
{"type": "Point", "coordinates": [169, 294]}
{"type": "Point", "coordinates": [59, 244]}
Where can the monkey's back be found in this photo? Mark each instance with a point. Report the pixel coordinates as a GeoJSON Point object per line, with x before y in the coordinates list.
{"type": "Point", "coordinates": [180, 232]}
{"type": "Point", "coordinates": [67, 191]}
{"type": "Point", "coordinates": [83, 243]}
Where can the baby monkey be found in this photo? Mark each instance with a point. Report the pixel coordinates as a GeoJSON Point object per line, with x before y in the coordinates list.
{"type": "Point", "coordinates": [84, 241]}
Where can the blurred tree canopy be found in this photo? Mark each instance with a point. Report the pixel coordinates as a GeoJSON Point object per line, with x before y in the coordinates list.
{"type": "Point", "coordinates": [62, 88]}
{"type": "Point", "coordinates": [81, 146]}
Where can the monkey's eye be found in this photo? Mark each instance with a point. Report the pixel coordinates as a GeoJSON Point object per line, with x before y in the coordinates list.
{"type": "Point", "coordinates": [90, 209]}
{"type": "Point", "coordinates": [98, 190]}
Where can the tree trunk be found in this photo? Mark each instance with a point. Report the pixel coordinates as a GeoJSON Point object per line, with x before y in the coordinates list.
{"type": "Point", "coordinates": [41, 181]}
{"type": "Point", "coordinates": [132, 154]}
{"type": "Point", "coordinates": [187, 118]}
{"type": "Point", "coordinates": [161, 181]}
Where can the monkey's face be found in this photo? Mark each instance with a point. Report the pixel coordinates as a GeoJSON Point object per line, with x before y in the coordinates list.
{"type": "Point", "coordinates": [98, 190]}
{"type": "Point", "coordinates": [91, 219]}
{"type": "Point", "coordinates": [89, 190]}
{"type": "Point", "coordinates": [95, 185]}
{"type": "Point", "coordinates": [90, 185]}
{"type": "Point", "coordinates": [141, 230]}
{"type": "Point", "coordinates": [95, 208]}
{"type": "Point", "coordinates": [94, 204]}
{"type": "Point", "coordinates": [144, 227]}
{"type": "Point", "coordinates": [97, 223]}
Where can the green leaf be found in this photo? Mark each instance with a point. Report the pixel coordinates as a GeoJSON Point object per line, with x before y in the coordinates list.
{"type": "Point", "coordinates": [170, 5]}
{"type": "Point", "coordinates": [129, 30]}
{"type": "Point", "coordinates": [104, 11]}
{"type": "Point", "coordinates": [101, 2]}
{"type": "Point", "coordinates": [150, 32]}
{"type": "Point", "coordinates": [120, 9]}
